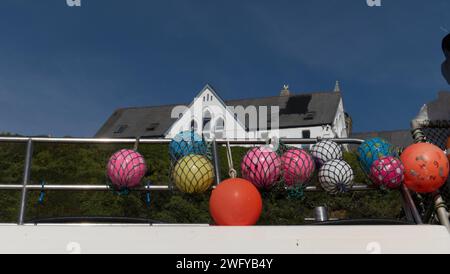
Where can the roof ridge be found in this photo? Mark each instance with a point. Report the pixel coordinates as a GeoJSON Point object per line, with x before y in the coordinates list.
{"type": "Point", "coordinates": [378, 131]}
{"type": "Point", "coordinates": [231, 100]}
{"type": "Point", "coordinates": [278, 96]}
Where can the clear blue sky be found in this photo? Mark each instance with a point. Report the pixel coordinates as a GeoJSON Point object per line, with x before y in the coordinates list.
{"type": "Point", "coordinates": [64, 70]}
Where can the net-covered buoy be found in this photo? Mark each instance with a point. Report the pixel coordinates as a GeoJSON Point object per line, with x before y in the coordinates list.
{"type": "Point", "coordinates": [193, 174]}
{"type": "Point", "coordinates": [126, 168]}
{"type": "Point", "coordinates": [185, 143]}
{"type": "Point", "coordinates": [235, 202]}
{"type": "Point", "coordinates": [387, 172]}
{"type": "Point", "coordinates": [326, 150]}
{"type": "Point", "coordinates": [426, 167]}
{"type": "Point", "coordinates": [336, 176]}
{"type": "Point", "coordinates": [372, 150]}
{"type": "Point", "coordinates": [448, 148]}
{"type": "Point", "coordinates": [297, 167]}
{"type": "Point", "coordinates": [262, 167]}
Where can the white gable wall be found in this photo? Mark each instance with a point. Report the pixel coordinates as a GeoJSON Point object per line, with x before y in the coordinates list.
{"type": "Point", "coordinates": [339, 125]}
{"type": "Point", "coordinates": [208, 101]}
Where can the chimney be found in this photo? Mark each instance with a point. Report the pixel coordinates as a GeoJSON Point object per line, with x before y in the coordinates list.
{"type": "Point", "coordinates": [337, 88]}
{"type": "Point", "coordinates": [285, 91]}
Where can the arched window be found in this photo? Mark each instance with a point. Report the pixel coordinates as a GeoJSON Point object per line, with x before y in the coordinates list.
{"type": "Point", "coordinates": [220, 125]}
{"type": "Point", "coordinates": [206, 121]}
{"type": "Point", "coordinates": [219, 128]}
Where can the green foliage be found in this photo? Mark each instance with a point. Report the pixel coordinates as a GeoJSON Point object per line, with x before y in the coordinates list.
{"type": "Point", "coordinates": [85, 164]}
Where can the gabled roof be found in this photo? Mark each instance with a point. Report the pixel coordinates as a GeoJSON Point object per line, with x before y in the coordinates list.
{"type": "Point", "coordinates": [296, 110]}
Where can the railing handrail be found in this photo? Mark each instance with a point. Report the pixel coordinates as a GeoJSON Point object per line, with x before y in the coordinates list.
{"type": "Point", "coordinates": [243, 141]}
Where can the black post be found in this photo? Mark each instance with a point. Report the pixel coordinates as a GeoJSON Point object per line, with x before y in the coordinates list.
{"type": "Point", "coordinates": [216, 160]}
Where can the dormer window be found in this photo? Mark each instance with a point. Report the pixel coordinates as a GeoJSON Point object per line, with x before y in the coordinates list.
{"type": "Point", "coordinates": [152, 126]}
{"type": "Point", "coordinates": [120, 129]}
{"type": "Point", "coordinates": [310, 115]}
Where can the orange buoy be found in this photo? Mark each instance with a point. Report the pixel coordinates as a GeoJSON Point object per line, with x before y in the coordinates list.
{"type": "Point", "coordinates": [426, 167]}
{"type": "Point", "coordinates": [448, 148]}
{"type": "Point", "coordinates": [235, 202]}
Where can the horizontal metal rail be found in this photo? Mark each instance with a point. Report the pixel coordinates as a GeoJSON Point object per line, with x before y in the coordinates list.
{"type": "Point", "coordinates": [36, 187]}
{"type": "Point", "coordinates": [164, 141]}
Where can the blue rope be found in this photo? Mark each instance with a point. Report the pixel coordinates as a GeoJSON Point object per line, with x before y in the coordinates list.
{"type": "Point", "coordinates": [119, 191]}
{"type": "Point", "coordinates": [42, 194]}
{"type": "Point", "coordinates": [147, 195]}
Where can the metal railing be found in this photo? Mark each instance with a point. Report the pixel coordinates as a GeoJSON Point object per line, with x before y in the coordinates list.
{"type": "Point", "coordinates": [410, 209]}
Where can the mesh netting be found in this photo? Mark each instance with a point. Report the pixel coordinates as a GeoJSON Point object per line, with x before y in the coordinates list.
{"type": "Point", "coordinates": [125, 169]}
{"type": "Point", "coordinates": [262, 167]}
{"type": "Point", "coordinates": [437, 133]}
{"type": "Point", "coordinates": [326, 150]}
{"type": "Point", "coordinates": [186, 143]}
{"type": "Point", "coordinates": [193, 174]}
{"type": "Point", "coordinates": [372, 150]}
{"type": "Point", "coordinates": [387, 172]}
{"type": "Point", "coordinates": [336, 176]}
{"type": "Point", "coordinates": [297, 167]}
{"type": "Point", "coordinates": [437, 136]}
{"type": "Point", "coordinates": [191, 169]}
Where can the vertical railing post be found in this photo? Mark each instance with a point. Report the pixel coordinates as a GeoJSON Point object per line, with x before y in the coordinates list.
{"type": "Point", "coordinates": [410, 206]}
{"type": "Point", "coordinates": [216, 160]}
{"type": "Point", "coordinates": [26, 180]}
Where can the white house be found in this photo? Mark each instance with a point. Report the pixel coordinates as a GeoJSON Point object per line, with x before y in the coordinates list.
{"type": "Point", "coordinates": [286, 115]}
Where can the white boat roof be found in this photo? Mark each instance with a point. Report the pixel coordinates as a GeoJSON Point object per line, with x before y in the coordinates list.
{"type": "Point", "coordinates": [201, 239]}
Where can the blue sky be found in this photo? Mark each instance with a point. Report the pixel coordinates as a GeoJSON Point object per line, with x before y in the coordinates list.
{"type": "Point", "coordinates": [64, 70]}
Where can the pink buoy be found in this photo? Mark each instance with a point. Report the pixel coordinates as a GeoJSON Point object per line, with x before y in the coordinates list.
{"type": "Point", "coordinates": [261, 166]}
{"type": "Point", "coordinates": [387, 172]}
{"type": "Point", "coordinates": [297, 166]}
{"type": "Point", "coordinates": [126, 168]}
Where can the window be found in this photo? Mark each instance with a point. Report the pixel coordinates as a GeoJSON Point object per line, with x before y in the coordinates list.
{"type": "Point", "coordinates": [120, 129]}
{"type": "Point", "coordinates": [306, 134]}
{"type": "Point", "coordinates": [310, 115]}
{"type": "Point", "coordinates": [220, 125]}
{"type": "Point", "coordinates": [206, 121]}
{"type": "Point", "coordinates": [152, 126]}
{"type": "Point", "coordinates": [194, 125]}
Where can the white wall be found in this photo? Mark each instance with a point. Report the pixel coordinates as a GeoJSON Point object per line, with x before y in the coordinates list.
{"type": "Point", "coordinates": [339, 126]}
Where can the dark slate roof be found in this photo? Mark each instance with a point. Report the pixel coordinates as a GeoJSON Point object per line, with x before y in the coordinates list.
{"type": "Point", "coordinates": [138, 122]}
{"type": "Point", "coordinates": [439, 109]}
{"type": "Point", "coordinates": [401, 138]}
{"type": "Point", "coordinates": [297, 110]}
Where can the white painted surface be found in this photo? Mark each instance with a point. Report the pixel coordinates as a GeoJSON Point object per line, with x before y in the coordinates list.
{"type": "Point", "coordinates": [210, 239]}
